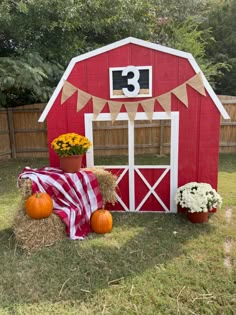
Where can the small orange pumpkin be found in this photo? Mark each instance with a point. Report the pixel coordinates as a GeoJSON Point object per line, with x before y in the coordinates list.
{"type": "Point", "coordinates": [101, 221]}
{"type": "Point", "coordinates": [39, 206]}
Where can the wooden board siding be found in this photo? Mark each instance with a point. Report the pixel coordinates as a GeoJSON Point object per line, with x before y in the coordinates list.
{"type": "Point", "coordinates": [21, 133]}
{"type": "Point", "coordinates": [5, 144]}
{"type": "Point", "coordinates": [228, 128]}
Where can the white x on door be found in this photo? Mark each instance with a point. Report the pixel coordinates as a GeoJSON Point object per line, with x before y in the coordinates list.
{"type": "Point", "coordinates": [142, 187]}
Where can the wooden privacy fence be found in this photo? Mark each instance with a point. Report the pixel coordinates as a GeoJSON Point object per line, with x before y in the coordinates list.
{"type": "Point", "coordinates": [23, 136]}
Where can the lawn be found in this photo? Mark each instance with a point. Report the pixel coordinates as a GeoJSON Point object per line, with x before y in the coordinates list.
{"type": "Point", "coordinates": [149, 264]}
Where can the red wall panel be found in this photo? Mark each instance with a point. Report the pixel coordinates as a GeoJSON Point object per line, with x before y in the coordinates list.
{"type": "Point", "coordinates": [198, 125]}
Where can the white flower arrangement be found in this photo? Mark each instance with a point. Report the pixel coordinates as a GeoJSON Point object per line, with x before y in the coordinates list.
{"type": "Point", "coordinates": [197, 197]}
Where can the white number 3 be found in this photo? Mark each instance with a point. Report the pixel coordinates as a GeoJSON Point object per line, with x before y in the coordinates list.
{"type": "Point", "coordinates": [132, 81]}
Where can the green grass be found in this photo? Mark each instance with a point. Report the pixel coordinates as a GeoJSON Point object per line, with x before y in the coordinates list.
{"type": "Point", "coordinates": [150, 264]}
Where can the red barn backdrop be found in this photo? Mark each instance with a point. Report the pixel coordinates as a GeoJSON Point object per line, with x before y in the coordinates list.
{"type": "Point", "coordinates": [131, 81]}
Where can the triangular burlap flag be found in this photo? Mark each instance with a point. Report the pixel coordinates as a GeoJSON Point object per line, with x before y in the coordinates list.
{"type": "Point", "coordinates": [197, 84]}
{"type": "Point", "coordinates": [82, 99]}
{"type": "Point", "coordinates": [181, 93]}
{"type": "Point", "coordinates": [165, 101]}
{"type": "Point", "coordinates": [114, 108]}
{"type": "Point", "coordinates": [67, 90]}
{"type": "Point", "coordinates": [131, 109]}
{"type": "Point", "coordinates": [148, 107]}
{"type": "Point", "coordinates": [98, 104]}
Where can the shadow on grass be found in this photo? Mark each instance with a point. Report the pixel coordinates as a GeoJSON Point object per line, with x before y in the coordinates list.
{"type": "Point", "coordinates": [75, 270]}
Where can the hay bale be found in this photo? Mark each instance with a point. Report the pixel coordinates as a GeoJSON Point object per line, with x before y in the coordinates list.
{"type": "Point", "coordinates": [32, 234]}
{"type": "Point", "coordinates": [25, 186]}
{"type": "Point", "coordinates": [107, 184]}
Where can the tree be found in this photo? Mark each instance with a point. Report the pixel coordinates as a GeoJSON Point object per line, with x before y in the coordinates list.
{"type": "Point", "coordinates": [189, 37]}
{"type": "Point", "coordinates": [26, 79]}
{"type": "Point", "coordinates": [25, 76]}
{"type": "Point", "coordinates": [178, 24]}
{"type": "Point", "coordinates": [222, 22]}
{"type": "Point", "coordinates": [39, 37]}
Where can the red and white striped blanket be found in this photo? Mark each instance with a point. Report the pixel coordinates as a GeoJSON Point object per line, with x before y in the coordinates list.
{"type": "Point", "coordinates": [75, 196]}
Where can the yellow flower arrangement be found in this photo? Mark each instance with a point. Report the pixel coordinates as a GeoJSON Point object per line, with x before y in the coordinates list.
{"type": "Point", "coordinates": [70, 144]}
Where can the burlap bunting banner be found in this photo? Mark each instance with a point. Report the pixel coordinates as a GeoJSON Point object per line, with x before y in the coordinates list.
{"type": "Point", "coordinates": [165, 101]}
{"type": "Point", "coordinates": [181, 93]}
{"type": "Point", "coordinates": [114, 108]}
{"type": "Point", "coordinates": [197, 84]}
{"type": "Point", "coordinates": [98, 104]}
{"type": "Point", "coordinates": [148, 107]}
{"type": "Point", "coordinates": [67, 91]}
{"type": "Point", "coordinates": [131, 107]}
{"type": "Point", "coordinates": [82, 99]}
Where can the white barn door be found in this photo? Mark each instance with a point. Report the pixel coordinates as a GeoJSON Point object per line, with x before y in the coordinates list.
{"type": "Point", "coordinates": [142, 190]}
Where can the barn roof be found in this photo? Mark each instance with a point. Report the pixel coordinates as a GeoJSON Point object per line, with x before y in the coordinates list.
{"type": "Point", "coordinates": [142, 43]}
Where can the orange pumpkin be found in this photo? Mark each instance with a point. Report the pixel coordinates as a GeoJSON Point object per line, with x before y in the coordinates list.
{"type": "Point", "coordinates": [39, 205]}
{"type": "Point", "coordinates": [101, 221]}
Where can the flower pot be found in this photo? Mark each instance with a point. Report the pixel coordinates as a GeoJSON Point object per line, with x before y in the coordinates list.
{"type": "Point", "coordinates": [71, 164]}
{"type": "Point", "coordinates": [197, 217]}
